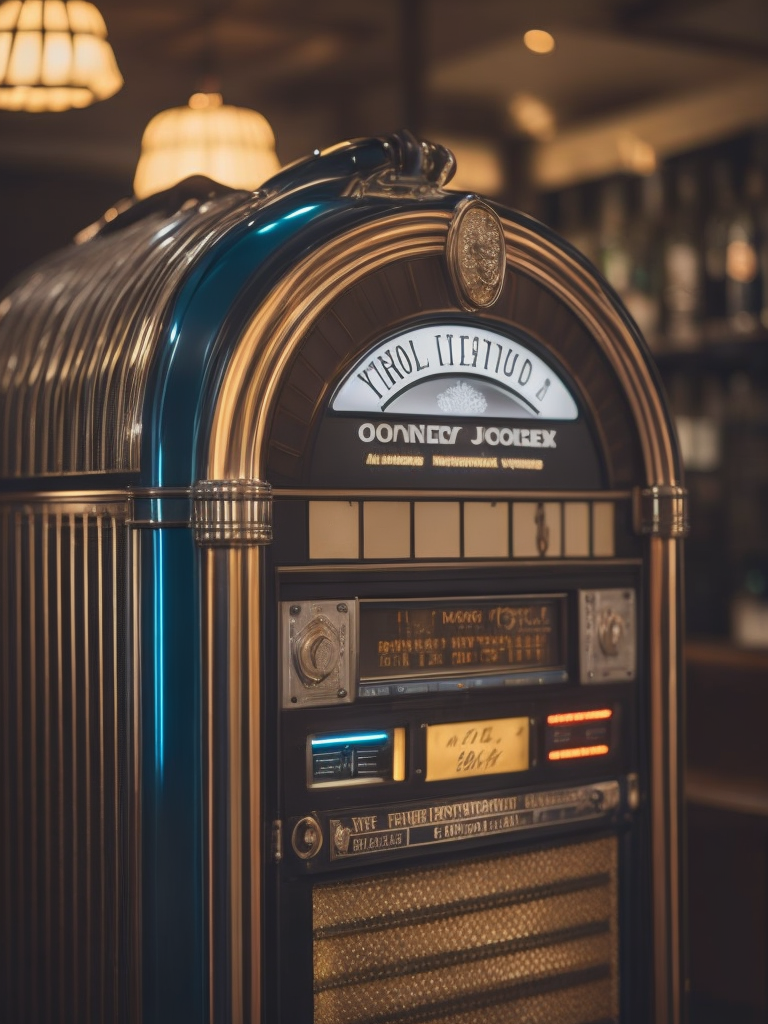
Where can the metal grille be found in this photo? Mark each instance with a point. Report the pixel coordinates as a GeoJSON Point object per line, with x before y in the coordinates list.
{"type": "Point", "coordinates": [78, 334]}
{"type": "Point", "coordinates": [65, 863]}
{"type": "Point", "coordinates": [526, 937]}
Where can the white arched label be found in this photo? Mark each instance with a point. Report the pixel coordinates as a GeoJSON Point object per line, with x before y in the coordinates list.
{"type": "Point", "coordinates": [454, 370]}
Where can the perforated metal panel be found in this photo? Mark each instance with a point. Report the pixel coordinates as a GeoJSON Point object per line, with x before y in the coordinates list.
{"type": "Point", "coordinates": [527, 937]}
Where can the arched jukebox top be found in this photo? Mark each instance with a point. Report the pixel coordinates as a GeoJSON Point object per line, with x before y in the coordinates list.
{"type": "Point", "coordinates": [444, 403]}
{"type": "Point", "coordinates": [207, 334]}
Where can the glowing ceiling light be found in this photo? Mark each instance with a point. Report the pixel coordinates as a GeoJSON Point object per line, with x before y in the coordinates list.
{"type": "Point", "coordinates": [234, 146]}
{"type": "Point", "coordinates": [539, 41]}
{"type": "Point", "coordinates": [532, 116]}
{"type": "Point", "coordinates": [54, 55]}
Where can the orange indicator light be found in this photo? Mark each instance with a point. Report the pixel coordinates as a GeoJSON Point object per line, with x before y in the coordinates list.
{"type": "Point", "coordinates": [571, 752]}
{"type": "Point", "coordinates": [570, 717]}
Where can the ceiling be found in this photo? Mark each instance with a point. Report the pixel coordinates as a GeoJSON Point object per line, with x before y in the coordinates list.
{"type": "Point", "coordinates": [326, 71]}
{"type": "Point", "coordinates": [686, 70]}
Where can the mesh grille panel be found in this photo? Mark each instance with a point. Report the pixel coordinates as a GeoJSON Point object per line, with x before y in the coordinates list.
{"type": "Point", "coordinates": [537, 931]}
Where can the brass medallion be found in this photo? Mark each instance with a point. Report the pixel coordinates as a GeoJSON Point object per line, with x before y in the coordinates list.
{"type": "Point", "coordinates": [476, 254]}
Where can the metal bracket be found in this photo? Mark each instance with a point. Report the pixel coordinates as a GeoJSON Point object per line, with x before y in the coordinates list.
{"type": "Point", "coordinates": [660, 511]}
{"type": "Point", "coordinates": [232, 512]}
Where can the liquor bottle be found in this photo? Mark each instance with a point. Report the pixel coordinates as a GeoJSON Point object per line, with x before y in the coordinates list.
{"type": "Point", "coordinates": [643, 295]}
{"type": "Point", "coordinates": [575, 223]}
{"type": "Point", "coordinates": [614, 257]}
{"type": "Point", "coordinates": [683, 270]}
{"type": "Point", "coordinates": [722, 209]}
{"type": "Point", "coordinates": [743, 280]}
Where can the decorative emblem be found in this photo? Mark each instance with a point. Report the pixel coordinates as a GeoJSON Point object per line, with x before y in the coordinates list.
{"type": "Point", "coordinates": [462, 400]}
{"type": "Point", "coordinates": [341, 835]}
{"type": "Point", "coordinates": [476, 254]}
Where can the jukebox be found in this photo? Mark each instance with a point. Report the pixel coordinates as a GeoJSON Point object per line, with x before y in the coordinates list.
{"type": "Point", "coordinates": [340, 534]}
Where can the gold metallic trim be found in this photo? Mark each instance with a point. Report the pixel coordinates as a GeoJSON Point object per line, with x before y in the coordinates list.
{"type": "Point", "coordinates": [665, 781]}
{"type": "Point", "coordinates": [501, 495]}
{"type": "Point", "coordinates": [660, 511]}
{"type": "Point", "coordinates": [253, 681]}
{"type": "Point", "coordinates": [238, 437]}
{"type": "Point", "coordinates": [208, 663]}
{"type": "Point", "coordinates": [235, 781]}
{"type": "Point", "coordinates": [232, 512]}
{"type": "Point", "coordinates": [231, 734]}
{"type": "Point", "coordinates": [466, 567]}
{"type": "Point", "coordinates": [475, 254]}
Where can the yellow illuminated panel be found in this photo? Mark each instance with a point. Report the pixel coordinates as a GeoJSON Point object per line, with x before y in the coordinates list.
{"type": "Point", "coordinates": [493, 746]}
{"type": "Point", "coordinates": [572, 752]}
{"type": "Point", "coordinates": [569, 717]}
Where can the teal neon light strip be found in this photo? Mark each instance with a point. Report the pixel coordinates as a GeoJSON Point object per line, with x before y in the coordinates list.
{"type": "Point", "coordinates": [364, 737]}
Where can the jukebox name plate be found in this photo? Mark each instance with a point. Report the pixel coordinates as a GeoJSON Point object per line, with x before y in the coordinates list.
{"type": "Point", "coordinates": [396, 828]}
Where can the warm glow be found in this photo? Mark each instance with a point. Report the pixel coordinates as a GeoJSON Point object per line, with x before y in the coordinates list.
{"type": "Point", "coordinates": [532, 116]}
{"type": "Point", "coordinates": [569, 717]}
{"type": "Point", "coordinates": [636, 155]}
{"type": "Point", "coordinates": [572, 752]}
{"type": "Point", "coordinates": [539, 41]}
{"type": "Point", "coordinates": [54, 56]}
{"type": "Point", "coordinates": [231, 145]}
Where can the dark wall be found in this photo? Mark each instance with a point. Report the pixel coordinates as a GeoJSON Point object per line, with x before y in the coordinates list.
{"type": "Point", "coordinates": [43, 211]}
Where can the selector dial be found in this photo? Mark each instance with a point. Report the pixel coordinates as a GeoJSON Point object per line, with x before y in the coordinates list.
{"type": "Point", "coordinates": [316, 651]}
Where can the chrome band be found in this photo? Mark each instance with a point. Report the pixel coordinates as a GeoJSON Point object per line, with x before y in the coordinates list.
{"type": "Point", "coordinates": [661, 511]}
{"type": "Point", "coordinates": [232, 512]}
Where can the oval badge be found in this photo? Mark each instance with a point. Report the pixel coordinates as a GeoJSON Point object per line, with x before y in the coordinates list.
{"type": "Point", "coordinates": [476, 254]}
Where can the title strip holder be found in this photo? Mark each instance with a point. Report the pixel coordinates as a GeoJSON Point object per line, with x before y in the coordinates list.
{"type": "Point", "coordinates": [398, 827]}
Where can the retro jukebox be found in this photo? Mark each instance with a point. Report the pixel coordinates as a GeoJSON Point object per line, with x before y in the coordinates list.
{"type": "Point", "coordinates": [340, 624]}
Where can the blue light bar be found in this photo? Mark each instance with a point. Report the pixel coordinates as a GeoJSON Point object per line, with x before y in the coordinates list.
{"type": "Point", "coordinates": [363, 737]}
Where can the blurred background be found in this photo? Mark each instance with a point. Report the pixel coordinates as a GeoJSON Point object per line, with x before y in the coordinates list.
{"type": "Point", "coordinates": [636, 128]}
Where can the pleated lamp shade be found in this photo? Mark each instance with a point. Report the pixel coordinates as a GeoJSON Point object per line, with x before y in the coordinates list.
{"type": "Point", "coordinates": [54, 55]}
{"type": "Point", "coordinates": [234, 146]}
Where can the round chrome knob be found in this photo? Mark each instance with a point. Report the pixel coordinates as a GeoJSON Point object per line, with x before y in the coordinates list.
{"type": "Point", "coordinates": [307, 838]}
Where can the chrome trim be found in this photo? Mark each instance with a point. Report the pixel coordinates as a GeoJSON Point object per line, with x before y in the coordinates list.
{"type": "Point", "coordinates": [467, 566]}
{"type": "Point", "coordinates": [73, 374]}
{"type": "Point", "coordinates": [69, 880]}
{"type": "Point", "coordinates": [661, 511]}
{"type": "Point", "coordinates": [457, 495]}
{"type": "Point", "coordinates": [232, 512]}
{"type": "Point", "coordinates": [231, 734]}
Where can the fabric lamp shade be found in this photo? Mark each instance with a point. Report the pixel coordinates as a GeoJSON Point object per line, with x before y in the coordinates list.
{"type": "Point", "coordinates": [234, 146]}
{"type": "Point", "coordinates": [54, 55]}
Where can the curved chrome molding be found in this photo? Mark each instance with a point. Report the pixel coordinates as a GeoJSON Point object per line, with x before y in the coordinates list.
{"type": "Point", "coordinates": [661, 511]}
{"type": "Point", "coordinates": [234, 513]}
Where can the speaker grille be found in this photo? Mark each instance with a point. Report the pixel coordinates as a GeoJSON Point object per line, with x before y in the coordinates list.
{"type": "Point", "coordinates": [530, 937]}
{"type": "Point", "coordinates": [65, 802]}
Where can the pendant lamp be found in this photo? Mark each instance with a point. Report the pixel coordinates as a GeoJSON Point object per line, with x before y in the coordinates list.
{"type": "Point", "coordinates": [234, 146]}
{"type": "Point", "coordinates": [54, 55]}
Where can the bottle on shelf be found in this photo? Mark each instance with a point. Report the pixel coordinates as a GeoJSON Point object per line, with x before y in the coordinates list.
{"type": "Point", "coordinates": [717, 225]}
{"type": "Point", "coordinates": [643, 294]}
{"type": "Point", "coordinates": [743, 280]}
{"type": "Point", "coordinates": [576, 222]}
{"type": "Point", "coordinates": [683, 264]}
